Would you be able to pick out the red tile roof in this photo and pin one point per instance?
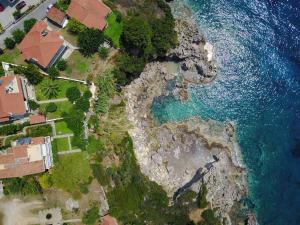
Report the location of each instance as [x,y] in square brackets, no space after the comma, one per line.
[11,97]
[39,47]
[16,162]
[108,220]
[56,15]
[36,119]
[91,13]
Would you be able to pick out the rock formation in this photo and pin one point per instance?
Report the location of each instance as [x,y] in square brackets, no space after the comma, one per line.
[180,156]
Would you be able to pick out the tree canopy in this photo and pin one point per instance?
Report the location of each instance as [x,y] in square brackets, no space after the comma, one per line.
[89,41]
[28,24]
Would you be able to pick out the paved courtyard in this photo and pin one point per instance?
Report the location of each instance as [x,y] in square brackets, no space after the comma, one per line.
[6,17]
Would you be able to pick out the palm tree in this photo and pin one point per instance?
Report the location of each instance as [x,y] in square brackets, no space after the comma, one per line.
[50,88]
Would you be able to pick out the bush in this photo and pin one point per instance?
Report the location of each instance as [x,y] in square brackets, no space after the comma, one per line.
[83,104]
[91,216]
[73,94]
[53,72]
[28,24]
[31,72]
[202,202]
[17,14]
[9,43]
[100,174]
[51,107]
[89,41]
[87,94]
[61,65]
[28,185]
[103,52]
[33,105]
[40,130]
[209,217]
[75,27]
[12,128]
[18,35]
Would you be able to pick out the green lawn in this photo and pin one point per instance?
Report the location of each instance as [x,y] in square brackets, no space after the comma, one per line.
[62,107]
[114,29]
[63,86]
[61,144]
[77,63]
[62,128]
[12,56]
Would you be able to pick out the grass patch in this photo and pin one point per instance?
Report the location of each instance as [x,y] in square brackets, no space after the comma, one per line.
[78,64]
[72,38]
[63,86]
[61,144]
[39,131]
[74,167]
[12,56]
[62,128]
[62,107]
[114,29]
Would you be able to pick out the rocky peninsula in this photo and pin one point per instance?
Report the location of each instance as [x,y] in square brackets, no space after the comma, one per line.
[184,155]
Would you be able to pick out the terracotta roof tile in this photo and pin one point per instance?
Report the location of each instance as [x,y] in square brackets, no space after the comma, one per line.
[108,220]
[36,119]
[91,13]
[41,47]
[56,15]
[11,97]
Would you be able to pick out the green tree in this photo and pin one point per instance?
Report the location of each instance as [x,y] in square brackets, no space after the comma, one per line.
[17,14]
[62,65]
[87,94]
[83,104]
[91,216]
[33,105]
[136,36]
[28,24]
[18,35]
[9,43]
[73,93]
[51,107]
[31,72]
[50,89]
[53,72]
[89,41]
[103,52]
[75,27]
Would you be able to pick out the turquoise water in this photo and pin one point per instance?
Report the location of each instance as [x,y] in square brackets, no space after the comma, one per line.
[257,49]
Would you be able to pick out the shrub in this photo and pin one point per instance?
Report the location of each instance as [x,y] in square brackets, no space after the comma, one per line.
[100,174]
[91,216]
[18,35]
[89,41]
[73,94]
[12,128]
[40,130]
[103,52]
[51,107]
[87,94]
[83,104]
[31,72]
[61,65]
[53,72]
[28,185]
[17,14]
[28,24]
[202,202]
[33,105]
[76,27]
[209,217]
[9,43]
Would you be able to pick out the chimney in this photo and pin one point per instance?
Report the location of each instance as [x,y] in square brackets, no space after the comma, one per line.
[44,33]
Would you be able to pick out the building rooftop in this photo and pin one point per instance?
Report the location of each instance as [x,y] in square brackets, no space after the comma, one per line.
[27,156]
[56,15]
[91,13]
[36,119]
[41,44]
[11,97]
[108,220]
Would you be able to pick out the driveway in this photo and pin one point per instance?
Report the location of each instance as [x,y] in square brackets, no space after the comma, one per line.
[38,13]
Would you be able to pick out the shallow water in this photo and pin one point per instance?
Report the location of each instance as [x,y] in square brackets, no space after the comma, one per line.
[257,48]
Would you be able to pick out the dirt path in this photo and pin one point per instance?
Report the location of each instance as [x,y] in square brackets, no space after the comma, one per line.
[17,212]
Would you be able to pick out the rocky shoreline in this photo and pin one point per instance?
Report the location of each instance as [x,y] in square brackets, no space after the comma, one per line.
[181,156]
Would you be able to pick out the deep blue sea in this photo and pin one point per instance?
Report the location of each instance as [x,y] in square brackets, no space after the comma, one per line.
[257,49]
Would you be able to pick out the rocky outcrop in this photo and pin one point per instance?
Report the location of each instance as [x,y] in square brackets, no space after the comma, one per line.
[186,154]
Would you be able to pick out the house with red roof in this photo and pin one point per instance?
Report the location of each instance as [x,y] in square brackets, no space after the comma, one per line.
[42,46]
[57,17]
[91,13]
[13,98]
[27,156]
